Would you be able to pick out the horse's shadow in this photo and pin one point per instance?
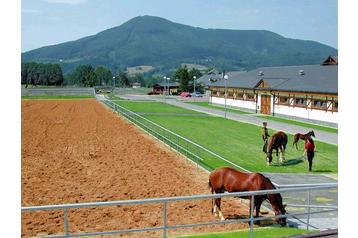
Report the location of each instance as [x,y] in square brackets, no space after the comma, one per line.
[290,162]
[259,223]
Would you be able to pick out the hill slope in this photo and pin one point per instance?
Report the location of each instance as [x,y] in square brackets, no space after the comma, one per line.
[161,43]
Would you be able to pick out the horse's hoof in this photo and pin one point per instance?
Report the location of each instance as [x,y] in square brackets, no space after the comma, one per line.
[268,164]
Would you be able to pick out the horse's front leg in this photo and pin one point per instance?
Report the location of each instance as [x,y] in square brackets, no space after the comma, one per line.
[282,154]
[218,207]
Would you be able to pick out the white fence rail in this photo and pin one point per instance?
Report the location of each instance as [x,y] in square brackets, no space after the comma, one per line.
[164,201]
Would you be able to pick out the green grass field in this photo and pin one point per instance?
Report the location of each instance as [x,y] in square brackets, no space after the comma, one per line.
[206,104]
[299,123]
[57,97]
[239,142]
[266,232]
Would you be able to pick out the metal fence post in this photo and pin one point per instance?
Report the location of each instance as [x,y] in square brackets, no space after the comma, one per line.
[65,222]
[252,217]
[165,219]
[308,207]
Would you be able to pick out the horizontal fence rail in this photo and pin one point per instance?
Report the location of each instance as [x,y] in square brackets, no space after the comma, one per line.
[164,201]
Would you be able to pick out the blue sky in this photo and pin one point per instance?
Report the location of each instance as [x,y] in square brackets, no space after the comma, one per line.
[47,22]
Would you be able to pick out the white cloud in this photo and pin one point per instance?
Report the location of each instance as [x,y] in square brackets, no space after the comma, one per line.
[71,2]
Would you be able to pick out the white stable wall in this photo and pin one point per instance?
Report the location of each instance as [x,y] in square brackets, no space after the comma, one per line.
[319,115]
[235,103]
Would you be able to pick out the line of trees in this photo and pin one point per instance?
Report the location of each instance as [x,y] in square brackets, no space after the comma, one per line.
[86,75]
[41,74]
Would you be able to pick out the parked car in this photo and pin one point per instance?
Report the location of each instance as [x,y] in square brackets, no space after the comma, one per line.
[185,94]
[197,94]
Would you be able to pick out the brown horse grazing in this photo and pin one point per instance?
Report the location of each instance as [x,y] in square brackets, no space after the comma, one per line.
[277,141]
[230,180]
[300,136]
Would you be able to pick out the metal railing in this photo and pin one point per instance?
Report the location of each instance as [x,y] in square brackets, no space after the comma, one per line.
[164,201]
[192,150]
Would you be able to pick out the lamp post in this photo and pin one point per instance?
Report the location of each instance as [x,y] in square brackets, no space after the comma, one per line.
[114,77]
[211,80]
[194,77]
[165,78]
[225,78]
[168,85]
[194,94]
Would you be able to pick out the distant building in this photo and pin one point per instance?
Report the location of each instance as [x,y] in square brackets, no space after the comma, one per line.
[159,88]
[136,85]
[307,91]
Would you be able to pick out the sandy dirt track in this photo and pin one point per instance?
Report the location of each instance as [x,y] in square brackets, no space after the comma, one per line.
[77,151]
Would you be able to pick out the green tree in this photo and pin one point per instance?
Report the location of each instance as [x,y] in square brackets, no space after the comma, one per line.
[123,78]
[84,75]
[41,74]
[104,75]
[138,78]
[182,74]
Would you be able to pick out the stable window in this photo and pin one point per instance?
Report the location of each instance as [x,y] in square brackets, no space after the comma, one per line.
[335,106]
[284,100]
[250,97]
[240,95]
[319,104]
[300,102]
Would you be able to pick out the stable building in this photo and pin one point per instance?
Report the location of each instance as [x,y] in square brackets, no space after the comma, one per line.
[172,88]
[305,91]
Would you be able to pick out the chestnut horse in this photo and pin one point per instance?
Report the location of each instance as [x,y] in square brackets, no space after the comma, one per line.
[230,180]
[277,142]
[300,136]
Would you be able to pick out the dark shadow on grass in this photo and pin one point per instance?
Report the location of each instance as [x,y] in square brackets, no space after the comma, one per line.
[290,162]
[268,222]
[322,170]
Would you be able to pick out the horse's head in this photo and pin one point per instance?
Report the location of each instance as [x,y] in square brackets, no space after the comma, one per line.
[269,151]
[269,157]
[276,203]
[280,210]
[312,133]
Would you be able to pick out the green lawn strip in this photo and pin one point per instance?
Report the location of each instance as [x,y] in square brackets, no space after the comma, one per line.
[267,232]
[114,97]
[57,97]
[155,107]
[206,104]
[238,142]
[299,123]
[38,86]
